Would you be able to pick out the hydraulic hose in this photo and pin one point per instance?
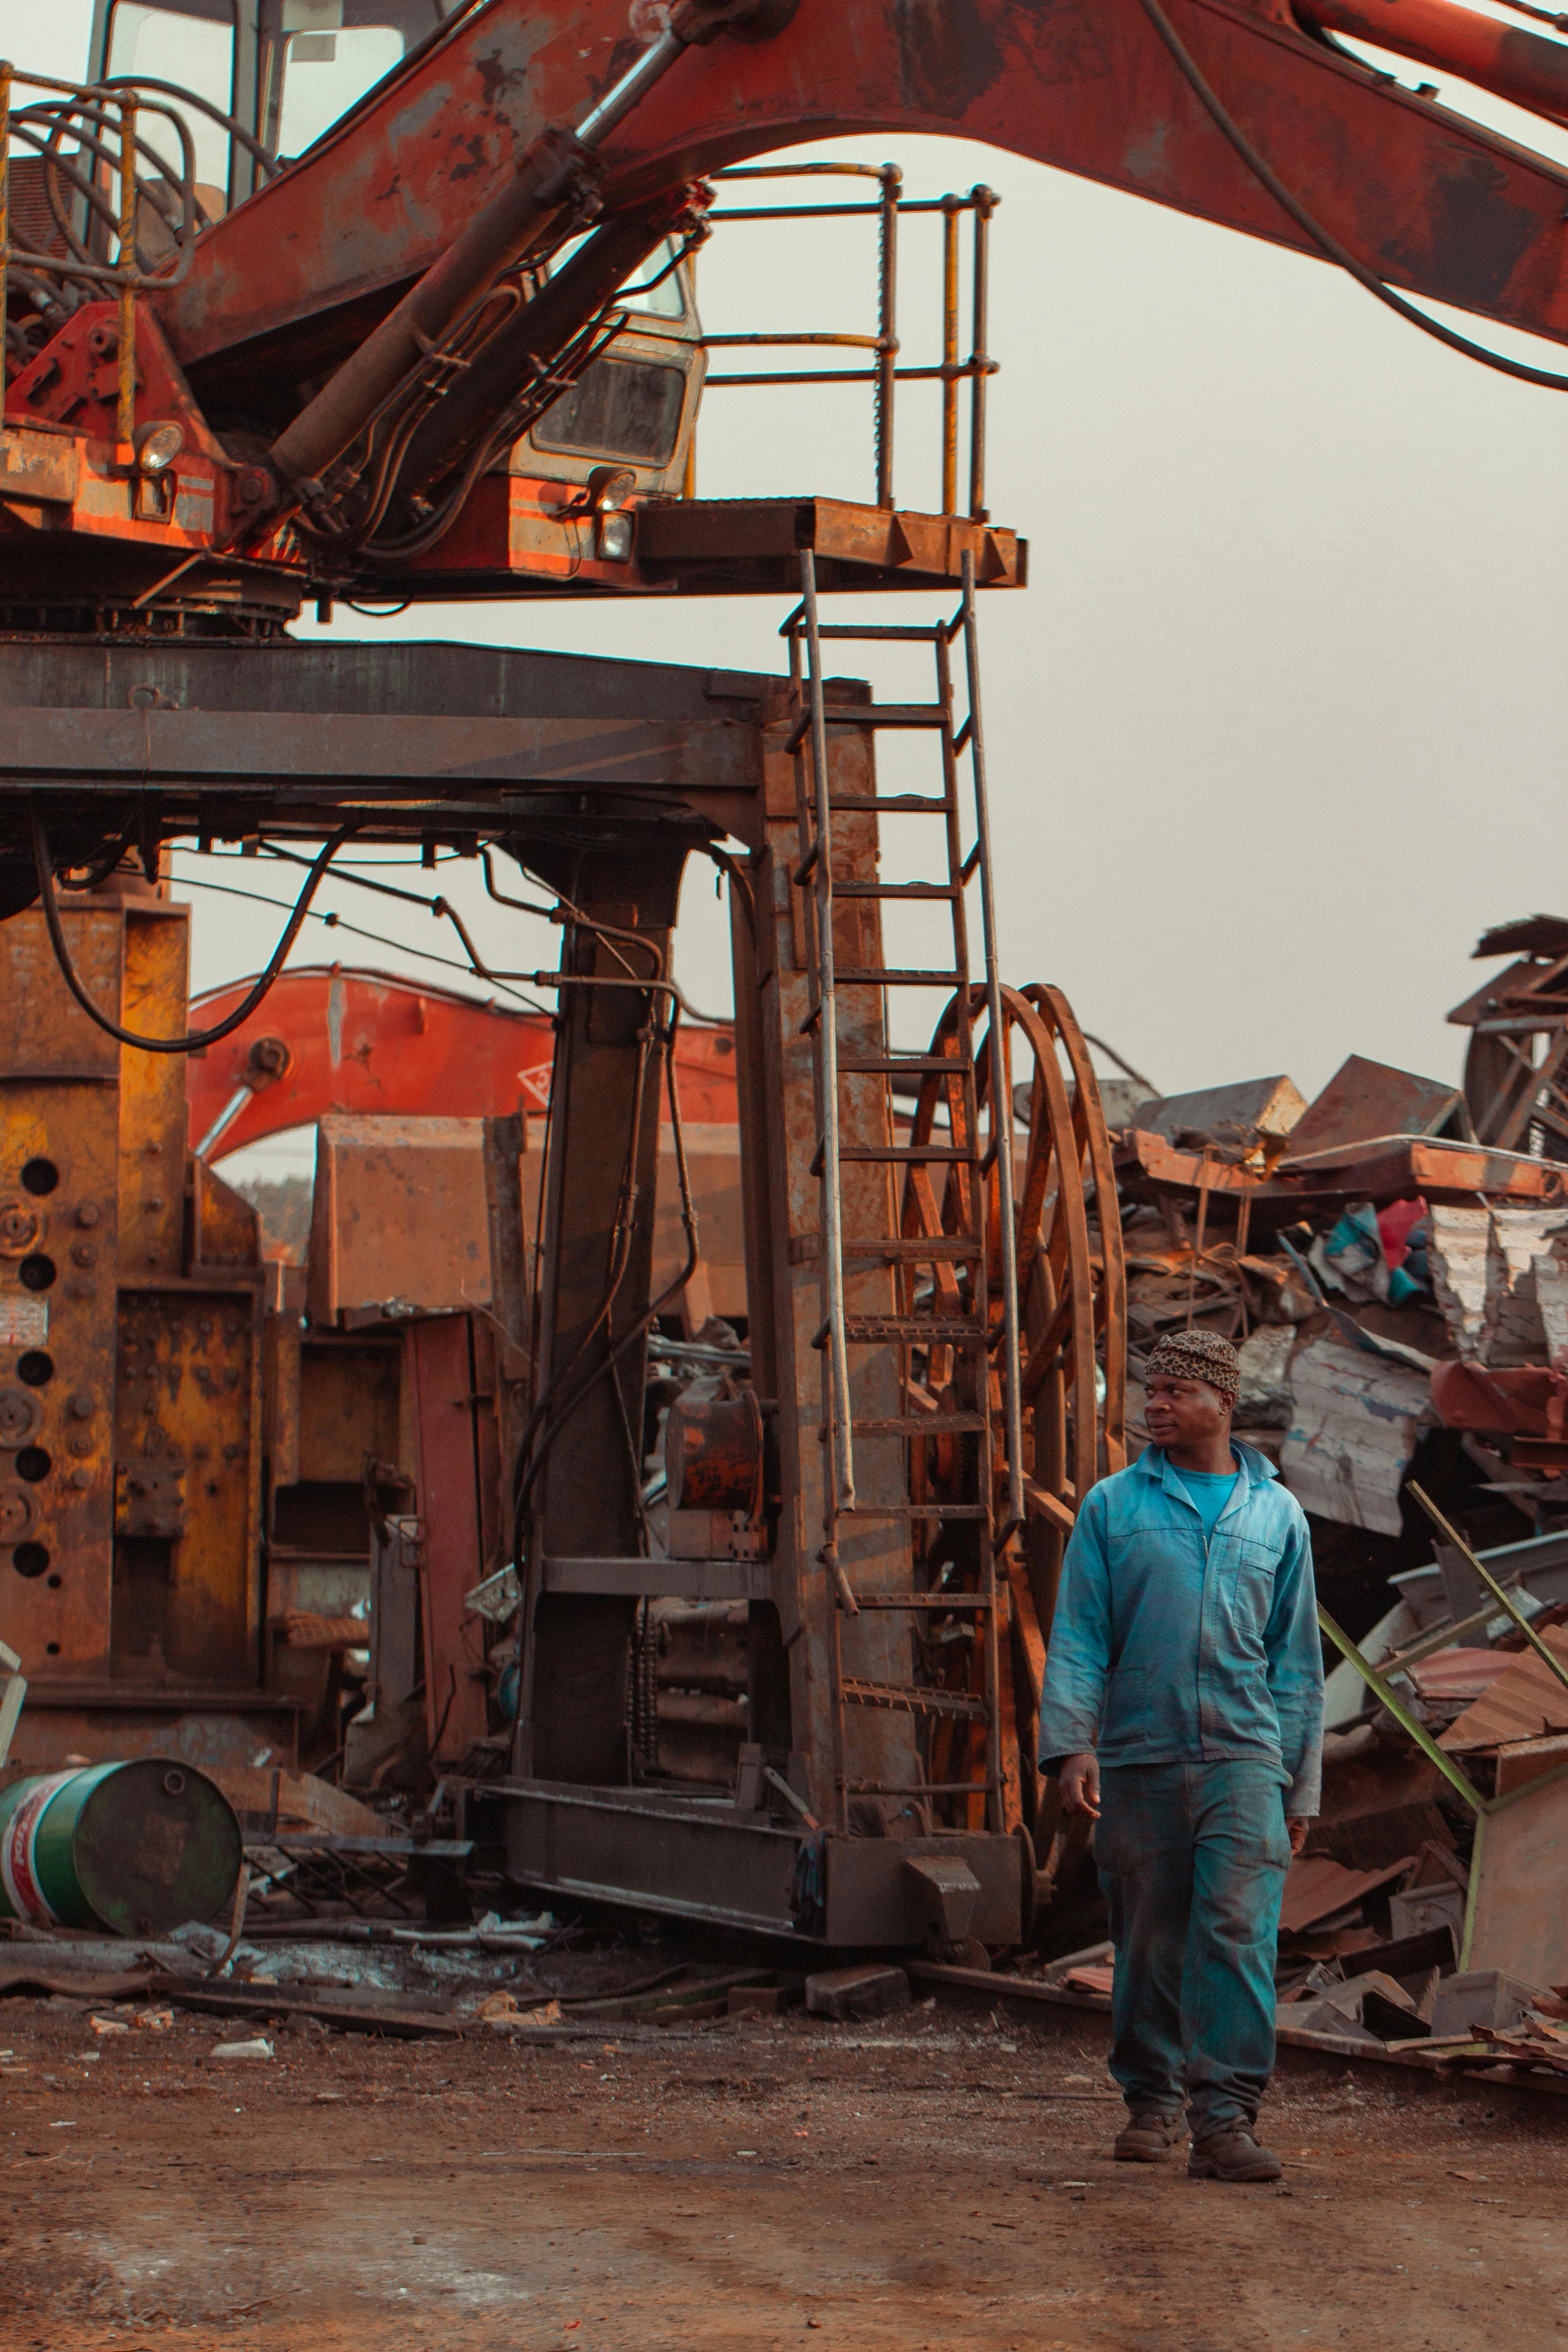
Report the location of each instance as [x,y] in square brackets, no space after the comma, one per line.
[196,1040]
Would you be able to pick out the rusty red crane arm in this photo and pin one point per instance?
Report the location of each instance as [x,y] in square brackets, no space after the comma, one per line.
[338,1039]
[291,281]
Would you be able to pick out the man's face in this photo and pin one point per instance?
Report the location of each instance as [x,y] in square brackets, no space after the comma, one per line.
[1179,1412]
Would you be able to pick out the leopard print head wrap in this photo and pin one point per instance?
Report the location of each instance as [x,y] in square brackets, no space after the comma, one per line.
[1197,1356]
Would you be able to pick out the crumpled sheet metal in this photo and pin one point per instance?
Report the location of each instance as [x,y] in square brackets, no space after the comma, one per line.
[1526,1701]
[1357,1422]
[1500,1275]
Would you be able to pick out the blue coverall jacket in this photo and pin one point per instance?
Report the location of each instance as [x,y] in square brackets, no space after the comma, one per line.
[1166,1651]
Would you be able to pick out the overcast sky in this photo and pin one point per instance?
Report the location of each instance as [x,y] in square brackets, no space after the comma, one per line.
[1279,726]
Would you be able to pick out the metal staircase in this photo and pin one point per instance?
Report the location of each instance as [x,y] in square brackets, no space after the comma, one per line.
[960,1318]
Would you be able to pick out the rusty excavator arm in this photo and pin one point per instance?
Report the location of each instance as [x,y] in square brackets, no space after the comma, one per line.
[346,354]
[1426,199]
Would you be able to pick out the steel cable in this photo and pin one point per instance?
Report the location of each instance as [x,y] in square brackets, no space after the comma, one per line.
[1225,123]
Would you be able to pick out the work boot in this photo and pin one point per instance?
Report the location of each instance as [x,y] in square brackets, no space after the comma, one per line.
[1232,2154]
[1150,2136]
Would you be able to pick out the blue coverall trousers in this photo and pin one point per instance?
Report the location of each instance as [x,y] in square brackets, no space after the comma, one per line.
[1193,1859]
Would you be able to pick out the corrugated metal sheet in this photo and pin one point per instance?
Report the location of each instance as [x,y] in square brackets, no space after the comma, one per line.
[1357,1420]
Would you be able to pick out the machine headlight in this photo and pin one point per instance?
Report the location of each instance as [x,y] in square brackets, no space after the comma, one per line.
[158,446]
[616,531]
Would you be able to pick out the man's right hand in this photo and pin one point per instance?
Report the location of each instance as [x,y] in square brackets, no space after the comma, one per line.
[1079,1781]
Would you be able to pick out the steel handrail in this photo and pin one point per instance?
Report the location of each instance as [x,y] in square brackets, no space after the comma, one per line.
[885,374]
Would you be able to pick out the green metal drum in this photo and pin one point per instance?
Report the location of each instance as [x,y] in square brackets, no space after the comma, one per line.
[137,1848]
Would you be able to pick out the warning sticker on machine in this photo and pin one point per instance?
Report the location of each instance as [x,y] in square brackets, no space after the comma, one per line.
[24,1322]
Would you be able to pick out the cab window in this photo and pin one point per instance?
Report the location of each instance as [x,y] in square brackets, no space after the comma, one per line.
[654,287]
[618,408]
[195,48]
[324,72]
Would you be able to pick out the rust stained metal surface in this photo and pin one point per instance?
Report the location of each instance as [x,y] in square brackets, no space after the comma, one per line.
[1364,1101]
[752,545]
[400,740]
[585,1475]
[371,1041]
[186,1558]
[373,751]
[1519,1918]
[1388,1168]
[714,1454]
[399,1221]
[140,1566]
[60,1102]
[521,537]
[1427,201]
[448,1413]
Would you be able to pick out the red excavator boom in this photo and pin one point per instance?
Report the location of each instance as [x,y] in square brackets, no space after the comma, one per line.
[345,383]
[331,1039]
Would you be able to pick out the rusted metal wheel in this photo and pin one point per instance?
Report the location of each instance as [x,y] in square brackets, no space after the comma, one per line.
[1074,1302]
[1073,1322]
[1072,1317]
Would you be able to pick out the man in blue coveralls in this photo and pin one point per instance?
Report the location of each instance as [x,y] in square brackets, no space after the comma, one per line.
[1183,1711]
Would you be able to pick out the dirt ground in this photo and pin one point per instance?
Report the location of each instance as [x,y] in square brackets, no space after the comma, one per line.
[926,2182]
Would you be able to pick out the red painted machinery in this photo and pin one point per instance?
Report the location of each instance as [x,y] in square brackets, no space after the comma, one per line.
[335,1039]
[397,304]
[392,300]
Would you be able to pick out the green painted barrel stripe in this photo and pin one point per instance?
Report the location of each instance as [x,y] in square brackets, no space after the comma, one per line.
[54,1847]
[51,1840]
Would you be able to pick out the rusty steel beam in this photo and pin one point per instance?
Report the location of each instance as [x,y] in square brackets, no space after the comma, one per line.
[1431,201]
[412,742]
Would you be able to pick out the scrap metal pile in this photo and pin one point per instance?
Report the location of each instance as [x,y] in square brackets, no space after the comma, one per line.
[1392,1260]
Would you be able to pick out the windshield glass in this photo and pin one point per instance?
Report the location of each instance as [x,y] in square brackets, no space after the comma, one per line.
[324,72]
[663,300]
[194,49]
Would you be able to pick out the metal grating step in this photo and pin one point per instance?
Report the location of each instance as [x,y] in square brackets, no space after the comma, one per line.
[919,1424]
[917,1511]
[935,634]
[898,1066]
[881,976]
[898,803]
[869,1330]
[949,1604]
[911,1698]
[877,975]
[948,1249]
[945,1249]
[871,714]
[940,1153]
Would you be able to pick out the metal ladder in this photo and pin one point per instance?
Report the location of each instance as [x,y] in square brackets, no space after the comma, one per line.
[839,1332]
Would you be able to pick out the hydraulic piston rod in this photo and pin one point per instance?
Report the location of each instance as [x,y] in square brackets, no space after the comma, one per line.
[1504,58]
[556,179]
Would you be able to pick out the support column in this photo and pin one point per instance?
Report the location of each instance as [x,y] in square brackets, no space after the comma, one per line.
[597,1215]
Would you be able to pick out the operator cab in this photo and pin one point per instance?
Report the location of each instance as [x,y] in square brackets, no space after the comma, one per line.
[258,88]
[576,475]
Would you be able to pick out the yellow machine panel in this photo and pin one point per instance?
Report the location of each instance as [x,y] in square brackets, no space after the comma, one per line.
[130,1318]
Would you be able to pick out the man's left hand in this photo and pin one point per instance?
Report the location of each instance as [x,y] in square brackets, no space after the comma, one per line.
[1297,1827]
